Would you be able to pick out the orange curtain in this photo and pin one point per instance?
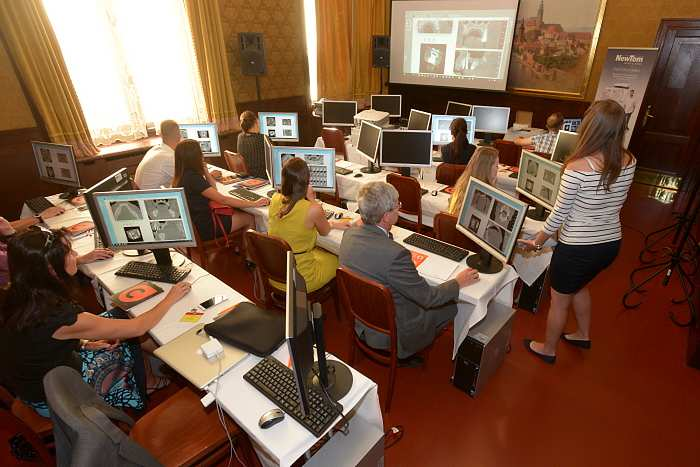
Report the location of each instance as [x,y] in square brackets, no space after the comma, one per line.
[334,31]
[30,41]
[371,19]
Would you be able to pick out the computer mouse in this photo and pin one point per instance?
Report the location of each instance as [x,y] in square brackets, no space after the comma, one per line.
[338,215]
[433,193]
[270,418]
[358,175]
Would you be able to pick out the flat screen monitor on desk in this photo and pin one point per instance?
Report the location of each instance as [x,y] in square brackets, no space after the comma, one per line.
[564,145]
[280,126]
[368,145]
[390,103]
[406,149]
[268,157]
[491,120]
[492,219]
[418,120]
[205,134]
[145,219]
[457,108]
[56,164]
[440,128]
[571,124]
[538,180]
[118,181]
[321,162]
[339,113]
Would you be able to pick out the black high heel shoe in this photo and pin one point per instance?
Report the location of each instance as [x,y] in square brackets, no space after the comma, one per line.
[549,359]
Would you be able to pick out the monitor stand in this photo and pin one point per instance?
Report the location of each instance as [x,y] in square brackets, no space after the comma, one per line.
[488,139]
[538,214]
[371,169]
[162,256]
[484,262]
[333,375]
[405,171]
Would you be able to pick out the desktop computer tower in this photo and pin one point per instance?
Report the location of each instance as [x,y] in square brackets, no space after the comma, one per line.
[484,349]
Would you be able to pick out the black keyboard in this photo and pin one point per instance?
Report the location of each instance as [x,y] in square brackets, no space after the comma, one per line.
[152,272]
[328,213]
[342,171]
[38,204]
[443,249]
[276,382]
[245,194]
[423,191]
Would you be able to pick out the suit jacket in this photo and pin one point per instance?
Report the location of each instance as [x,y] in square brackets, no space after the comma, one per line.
[421,309]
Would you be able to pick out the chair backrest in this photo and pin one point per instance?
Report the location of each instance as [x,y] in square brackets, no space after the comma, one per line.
[409,192]
[444,226]
[508,152]
[269,253]
[334,138]
[82,426]
[447,174]
[235,162]
[368,302]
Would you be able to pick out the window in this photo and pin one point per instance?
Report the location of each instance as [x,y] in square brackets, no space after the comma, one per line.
[311,46]
[131,62]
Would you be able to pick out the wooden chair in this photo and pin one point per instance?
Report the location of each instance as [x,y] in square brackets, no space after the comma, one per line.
[334,138]
[235,162]
[32,420]
[371,304]
[447,174]
[204,247]
[444,226]
[410,198]
[269,253]
[508,152]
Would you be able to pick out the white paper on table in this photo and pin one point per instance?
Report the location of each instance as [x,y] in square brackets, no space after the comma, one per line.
[438,267]
[344,164]
[531,267]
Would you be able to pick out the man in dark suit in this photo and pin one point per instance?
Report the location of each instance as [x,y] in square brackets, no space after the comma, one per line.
[368,249]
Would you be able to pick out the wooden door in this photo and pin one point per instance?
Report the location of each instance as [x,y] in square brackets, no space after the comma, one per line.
[664,139]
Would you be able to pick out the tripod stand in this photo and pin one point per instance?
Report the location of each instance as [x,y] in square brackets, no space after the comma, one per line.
[682,252]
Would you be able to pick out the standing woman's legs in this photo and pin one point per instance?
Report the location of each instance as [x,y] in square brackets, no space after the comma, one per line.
[556,320]
[582,309]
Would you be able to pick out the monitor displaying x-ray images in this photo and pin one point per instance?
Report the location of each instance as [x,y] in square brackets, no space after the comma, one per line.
[205,134]
[56,163]
[144,219]
[491,218]
[440,128]
[280,126]
[538,179]
[321,162]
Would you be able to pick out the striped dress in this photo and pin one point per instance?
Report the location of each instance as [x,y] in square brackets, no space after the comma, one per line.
[585,213]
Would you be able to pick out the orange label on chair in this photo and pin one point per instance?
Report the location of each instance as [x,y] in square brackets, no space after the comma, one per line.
[418,258]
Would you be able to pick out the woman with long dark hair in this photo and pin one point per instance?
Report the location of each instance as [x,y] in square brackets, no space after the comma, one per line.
[298,218]
[460,150]
[200,188]
[594,185]
[42,327]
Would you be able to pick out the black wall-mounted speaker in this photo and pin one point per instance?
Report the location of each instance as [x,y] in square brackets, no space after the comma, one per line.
[252,53]
[380,51]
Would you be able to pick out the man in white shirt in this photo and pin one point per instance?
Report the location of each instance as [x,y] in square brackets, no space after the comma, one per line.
[157,167]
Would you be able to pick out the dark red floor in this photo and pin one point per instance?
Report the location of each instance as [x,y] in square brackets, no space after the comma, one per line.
[630,401]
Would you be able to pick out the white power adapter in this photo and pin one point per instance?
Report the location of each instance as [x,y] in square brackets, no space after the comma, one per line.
[212,349]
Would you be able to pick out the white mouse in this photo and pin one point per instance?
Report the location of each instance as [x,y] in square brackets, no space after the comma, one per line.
[270,418]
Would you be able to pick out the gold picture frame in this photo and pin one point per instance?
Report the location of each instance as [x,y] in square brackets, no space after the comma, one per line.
[536,42]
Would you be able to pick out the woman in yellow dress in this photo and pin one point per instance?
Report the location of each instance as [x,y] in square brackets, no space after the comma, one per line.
[298,218]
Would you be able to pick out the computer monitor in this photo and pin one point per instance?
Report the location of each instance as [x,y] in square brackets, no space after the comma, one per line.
[321,162]
[538,180]
[280,126]
[440,128]
[564,145]
[56,164]
[406,149]
[339,113]
[368,145]
[457,108]
[304,328]
[571,124]
[491,120]
[492,219]
[390,103]
[268,157]
[118,181]
[145,219]
[205,134]
[418,120]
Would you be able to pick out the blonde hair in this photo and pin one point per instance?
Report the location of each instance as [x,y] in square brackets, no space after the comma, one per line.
[480,167]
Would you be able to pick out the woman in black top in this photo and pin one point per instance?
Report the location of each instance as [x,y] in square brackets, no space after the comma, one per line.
[42,327]
[251,145]
[200,189]
[459,151]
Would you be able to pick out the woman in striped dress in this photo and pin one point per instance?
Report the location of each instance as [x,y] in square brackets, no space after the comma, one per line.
[594,186]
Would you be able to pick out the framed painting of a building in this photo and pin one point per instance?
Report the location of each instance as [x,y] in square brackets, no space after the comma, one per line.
[554,45]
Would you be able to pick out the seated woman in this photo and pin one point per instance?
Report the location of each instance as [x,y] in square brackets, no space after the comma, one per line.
[459,151]
[42,327]
[200,188]
[251,145]
[484,166]
[298,218]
